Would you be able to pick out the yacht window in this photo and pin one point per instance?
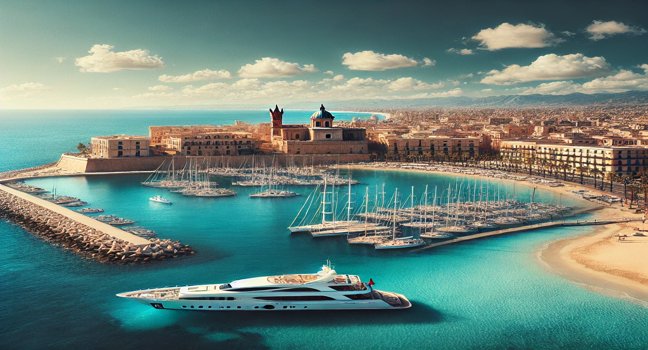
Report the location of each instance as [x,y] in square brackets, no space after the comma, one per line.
[303,289]
[251,289]
[359,296]
[209,298]
[297,298]
[225,286]
[349,287]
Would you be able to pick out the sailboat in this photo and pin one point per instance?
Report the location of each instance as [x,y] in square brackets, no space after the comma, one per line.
[326,209]
[398,242]
[272,191]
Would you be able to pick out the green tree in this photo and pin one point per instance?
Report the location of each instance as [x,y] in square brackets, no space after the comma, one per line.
[83,148]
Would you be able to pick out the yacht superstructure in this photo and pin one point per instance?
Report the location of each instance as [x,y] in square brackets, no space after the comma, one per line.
[324,290]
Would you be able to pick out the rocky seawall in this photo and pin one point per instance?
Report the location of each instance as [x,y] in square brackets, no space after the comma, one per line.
[83,239]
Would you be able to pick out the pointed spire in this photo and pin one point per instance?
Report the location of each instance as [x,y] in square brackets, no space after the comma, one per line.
[322,107]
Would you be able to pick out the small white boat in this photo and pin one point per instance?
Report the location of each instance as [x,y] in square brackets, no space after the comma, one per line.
[160,199]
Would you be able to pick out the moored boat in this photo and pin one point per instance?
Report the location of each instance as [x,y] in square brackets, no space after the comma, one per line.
[160,199]
[324,290]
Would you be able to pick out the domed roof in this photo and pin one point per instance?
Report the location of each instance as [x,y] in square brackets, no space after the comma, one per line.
[322,114]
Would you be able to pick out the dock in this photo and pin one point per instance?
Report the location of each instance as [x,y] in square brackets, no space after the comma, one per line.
[104,228]
[543,225]
[82,234]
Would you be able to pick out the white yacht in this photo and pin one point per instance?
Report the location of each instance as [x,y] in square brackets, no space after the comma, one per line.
[324,290]
[160,199]
[400,243]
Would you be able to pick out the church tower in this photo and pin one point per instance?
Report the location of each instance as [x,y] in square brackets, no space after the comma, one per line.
[276,117]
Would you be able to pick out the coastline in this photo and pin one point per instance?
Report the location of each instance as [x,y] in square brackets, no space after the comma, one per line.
[596,259]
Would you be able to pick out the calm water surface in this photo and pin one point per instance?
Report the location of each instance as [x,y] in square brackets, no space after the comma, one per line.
[489,294]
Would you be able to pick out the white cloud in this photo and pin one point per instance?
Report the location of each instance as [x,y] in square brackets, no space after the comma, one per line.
[200,75]
[159,88]
[59,59]
[336,88]
[409,84]
[374,61]
[24,87]
[622,81]
[450,93]
[329,72]
[18,94]
[553,88]
[521,35]
[268,67]
[102,59]
[428,62]
[549,67]
[462,52]
[600,30]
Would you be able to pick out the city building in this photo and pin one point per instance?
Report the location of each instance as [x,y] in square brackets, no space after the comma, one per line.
[119,146]
[211,144]
[402,147]
[576,159]
[321,136]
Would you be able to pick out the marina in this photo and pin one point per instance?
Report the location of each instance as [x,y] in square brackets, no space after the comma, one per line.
[469,208]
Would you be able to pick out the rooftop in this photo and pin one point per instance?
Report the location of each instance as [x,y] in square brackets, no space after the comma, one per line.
[322,113]
[122,137]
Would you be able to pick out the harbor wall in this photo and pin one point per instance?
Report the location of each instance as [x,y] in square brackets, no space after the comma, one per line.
[81,234]
[76,164]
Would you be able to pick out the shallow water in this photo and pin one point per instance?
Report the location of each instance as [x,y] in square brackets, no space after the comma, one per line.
[489,293]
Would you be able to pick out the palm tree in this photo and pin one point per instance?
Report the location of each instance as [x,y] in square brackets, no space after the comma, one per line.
[595,173]
[582,170]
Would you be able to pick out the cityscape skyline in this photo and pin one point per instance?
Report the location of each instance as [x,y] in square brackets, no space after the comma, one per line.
[119,55]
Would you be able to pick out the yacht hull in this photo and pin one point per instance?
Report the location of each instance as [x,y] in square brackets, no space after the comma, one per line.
[398,302]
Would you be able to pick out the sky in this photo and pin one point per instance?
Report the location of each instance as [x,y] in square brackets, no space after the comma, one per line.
[116,54]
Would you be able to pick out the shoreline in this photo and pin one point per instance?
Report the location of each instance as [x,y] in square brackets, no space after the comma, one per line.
[586,259]
[559,257]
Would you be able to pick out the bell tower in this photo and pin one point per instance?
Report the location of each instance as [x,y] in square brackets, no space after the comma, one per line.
[276,117]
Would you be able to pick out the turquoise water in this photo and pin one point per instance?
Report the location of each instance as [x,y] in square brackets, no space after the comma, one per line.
[486,294]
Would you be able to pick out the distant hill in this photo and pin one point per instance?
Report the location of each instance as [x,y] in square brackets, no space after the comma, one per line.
[577,99]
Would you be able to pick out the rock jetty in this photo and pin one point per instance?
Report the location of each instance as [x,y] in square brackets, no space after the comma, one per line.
[83,239]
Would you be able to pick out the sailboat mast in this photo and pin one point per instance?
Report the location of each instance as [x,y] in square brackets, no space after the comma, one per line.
[366,208]
[349,201]
[324,202]
[434,206]
[425,200]
[395,207]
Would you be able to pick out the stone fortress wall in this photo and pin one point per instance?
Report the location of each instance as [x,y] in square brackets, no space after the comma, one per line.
[75,164]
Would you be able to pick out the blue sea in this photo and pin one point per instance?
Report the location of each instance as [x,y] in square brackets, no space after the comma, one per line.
[486,294]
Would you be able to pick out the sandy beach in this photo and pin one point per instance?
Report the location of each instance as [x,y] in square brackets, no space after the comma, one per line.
[597,259]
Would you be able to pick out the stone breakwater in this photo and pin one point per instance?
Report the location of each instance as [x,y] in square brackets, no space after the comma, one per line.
[83,239]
